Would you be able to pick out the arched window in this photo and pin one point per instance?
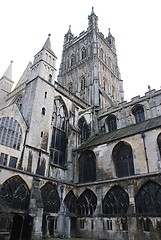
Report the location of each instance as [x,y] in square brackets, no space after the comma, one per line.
[83,83]
[111,122]
[138,112]
[15,193]
[148,199]
[84,129]
[116,201]
[43,111]
[10,133]
[72,60]
[50,78]
[87,203]
[87,166]
[123,159]
[50,198]
[59,133]
[71,202]
[159,143]
[83,53]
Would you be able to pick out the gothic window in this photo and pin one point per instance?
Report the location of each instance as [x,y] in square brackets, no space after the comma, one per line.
[84,129]
[83,53]
[87,203]
[50,198]
[148,199]
[87,166]
[123,159]
[59,133]
[159,143]
[115,202]
[72,60]
[10,133]
[12,162]
[138,112]
[83,83]
[50,78]
[111,122]
[15,193]
[71,202]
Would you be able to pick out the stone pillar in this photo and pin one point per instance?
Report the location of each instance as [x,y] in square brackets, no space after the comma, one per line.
[132,223]
[36,210]
[63,223]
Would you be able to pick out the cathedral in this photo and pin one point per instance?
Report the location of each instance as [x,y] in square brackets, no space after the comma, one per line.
[76,159]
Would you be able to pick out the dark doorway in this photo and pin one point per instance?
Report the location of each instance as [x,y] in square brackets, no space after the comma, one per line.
[21,228]
[73,226]
[27,228]
[17,225]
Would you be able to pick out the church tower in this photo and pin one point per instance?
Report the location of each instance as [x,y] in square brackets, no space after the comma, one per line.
[89,67]
[37,105]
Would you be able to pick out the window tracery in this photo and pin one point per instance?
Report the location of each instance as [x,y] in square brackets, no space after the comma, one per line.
[138,112]
[87,203]
[59,133]
[50,198]
[87,166]
[148,199]
[111,122]
[84,129]
[123,159]
[10,133]
[116,201]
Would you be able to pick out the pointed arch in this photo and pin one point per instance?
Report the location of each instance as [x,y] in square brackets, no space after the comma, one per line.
[87,203]
[123,159]
[111,123]
[116,201]
[59,132]
[83,53]
[71,202]
[50,198]
[148,198]
[84,129]
[87,166]
[15,193]
[138,112]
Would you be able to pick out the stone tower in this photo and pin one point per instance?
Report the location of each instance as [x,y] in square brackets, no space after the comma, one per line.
[89,66]
[38,104]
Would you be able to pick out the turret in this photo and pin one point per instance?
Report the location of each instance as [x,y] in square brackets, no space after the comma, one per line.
[92,21]
[6,82]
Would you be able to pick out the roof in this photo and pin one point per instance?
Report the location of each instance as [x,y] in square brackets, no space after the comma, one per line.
[122,133]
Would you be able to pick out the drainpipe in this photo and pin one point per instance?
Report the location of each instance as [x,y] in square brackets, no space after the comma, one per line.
[146,157]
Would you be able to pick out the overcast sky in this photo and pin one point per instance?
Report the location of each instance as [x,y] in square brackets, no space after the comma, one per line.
[135,24]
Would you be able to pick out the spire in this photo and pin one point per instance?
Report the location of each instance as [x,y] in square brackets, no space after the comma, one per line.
[47,44]
[93,20]
[8,72]
[68,36]
[69,30]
